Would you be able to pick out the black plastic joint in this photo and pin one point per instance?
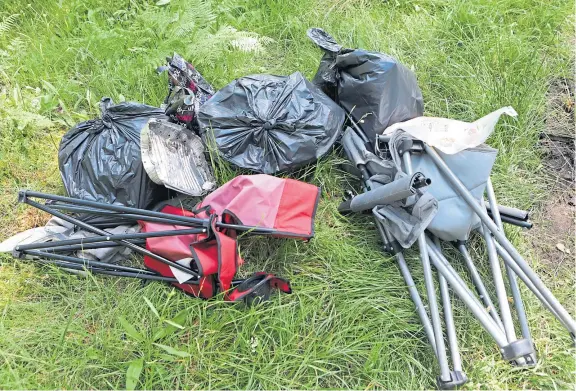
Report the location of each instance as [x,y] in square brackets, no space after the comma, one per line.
[520,348]
[395,247]
[22,196]
[405,146]
[16,253]
[459,242]
[457,379]
[529,361]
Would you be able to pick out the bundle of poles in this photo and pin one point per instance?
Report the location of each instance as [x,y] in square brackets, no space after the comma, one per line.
[56,252]
[497,320]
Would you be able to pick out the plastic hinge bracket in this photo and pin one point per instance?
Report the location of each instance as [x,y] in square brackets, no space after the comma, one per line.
[519,348]
[457,378]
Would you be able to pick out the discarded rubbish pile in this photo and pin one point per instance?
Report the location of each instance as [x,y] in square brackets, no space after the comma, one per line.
[117,168]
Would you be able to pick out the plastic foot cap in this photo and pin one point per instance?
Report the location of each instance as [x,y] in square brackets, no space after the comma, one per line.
[517,349]
[457,379]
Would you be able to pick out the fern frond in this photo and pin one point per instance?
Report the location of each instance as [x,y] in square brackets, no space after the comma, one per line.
[246,41]
[7,24]
[16,45]
[198,16]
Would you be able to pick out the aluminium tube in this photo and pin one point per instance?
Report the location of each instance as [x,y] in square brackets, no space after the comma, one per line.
[431,292]
[510,262]
[404,270]
[449,318]
[89,246]
[414,295]
[473,305]
[498,279]
[457,278]
[560,311]
[507,211]
[98,231]
[514,289]
[94,270]
[107,238]
[129,216]
[87,262]
[24,194]
[513,221]
[479,285]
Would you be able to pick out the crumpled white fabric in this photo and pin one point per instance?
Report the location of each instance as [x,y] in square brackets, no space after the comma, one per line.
[451,136]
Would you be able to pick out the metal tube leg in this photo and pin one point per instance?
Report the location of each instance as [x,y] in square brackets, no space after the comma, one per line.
[510,262]
[511,351]
[449,318]
[431,293]
[454,273]
[479,285]
[405,271]
[499,286]
[560,311]
[97,231]
[514,289]
[485,320]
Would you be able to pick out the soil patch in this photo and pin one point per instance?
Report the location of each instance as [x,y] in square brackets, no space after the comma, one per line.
[553,235]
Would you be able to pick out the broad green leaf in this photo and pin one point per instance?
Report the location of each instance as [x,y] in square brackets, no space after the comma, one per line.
[133,373]
[130,330]
[173,351]
[151,307]
[178,326]
[173,325]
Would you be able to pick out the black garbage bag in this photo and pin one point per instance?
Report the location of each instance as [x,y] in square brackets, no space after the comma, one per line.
[374,88]
[100,159]
[271,124]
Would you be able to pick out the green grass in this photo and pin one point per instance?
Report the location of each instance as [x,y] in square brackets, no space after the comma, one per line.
[350,322]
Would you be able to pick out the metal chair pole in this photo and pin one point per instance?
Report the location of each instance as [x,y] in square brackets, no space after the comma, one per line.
[449,318]
[479,284]
[431,293]
[405,271]
[560,311]
[514,289]
[499,286]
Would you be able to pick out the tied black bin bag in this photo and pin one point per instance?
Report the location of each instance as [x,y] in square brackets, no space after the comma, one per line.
[271,124]
[100,159]
[374,88]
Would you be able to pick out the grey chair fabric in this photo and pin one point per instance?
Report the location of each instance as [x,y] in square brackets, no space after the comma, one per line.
[404,220]
[455,220]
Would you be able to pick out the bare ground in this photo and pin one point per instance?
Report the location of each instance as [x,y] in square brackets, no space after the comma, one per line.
[553,235]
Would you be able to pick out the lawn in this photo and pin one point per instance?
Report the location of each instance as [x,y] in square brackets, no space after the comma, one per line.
[350,322]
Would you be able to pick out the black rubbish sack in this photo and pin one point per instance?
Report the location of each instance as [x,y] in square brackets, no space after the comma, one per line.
[100,159]
[271,124]
[374,88]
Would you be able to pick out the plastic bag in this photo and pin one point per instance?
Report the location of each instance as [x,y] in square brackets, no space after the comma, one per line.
[188,90]
[173,156]
[449,135]
[374,88]
[100,159]
[270,124]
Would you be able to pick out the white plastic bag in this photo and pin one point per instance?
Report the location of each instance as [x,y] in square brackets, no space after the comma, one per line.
[449,135]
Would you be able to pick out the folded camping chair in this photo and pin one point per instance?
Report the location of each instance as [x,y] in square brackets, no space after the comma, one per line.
[457,183]
[194,250]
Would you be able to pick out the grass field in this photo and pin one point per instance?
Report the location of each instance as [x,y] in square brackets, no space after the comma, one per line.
[350,322]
